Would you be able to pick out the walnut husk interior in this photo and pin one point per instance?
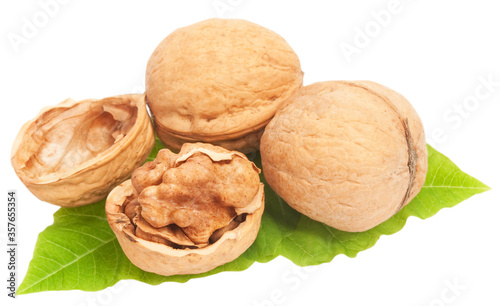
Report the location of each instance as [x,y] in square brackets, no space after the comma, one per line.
[75,152]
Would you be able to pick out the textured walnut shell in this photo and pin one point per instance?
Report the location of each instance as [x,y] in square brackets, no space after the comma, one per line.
[348,154]
[158,256]
[75,152]
[219,81]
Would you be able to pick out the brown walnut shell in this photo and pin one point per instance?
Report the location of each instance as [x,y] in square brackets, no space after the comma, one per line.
[348,154]
[188,213]
[219,81]
[74,153]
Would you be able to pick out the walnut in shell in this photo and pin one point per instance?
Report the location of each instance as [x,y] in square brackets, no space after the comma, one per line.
[348,154]
[188,213]
[219,81]
[75,152]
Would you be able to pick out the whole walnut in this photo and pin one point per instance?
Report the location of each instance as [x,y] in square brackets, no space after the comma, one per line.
[190,212]
[348,154]
[219,81]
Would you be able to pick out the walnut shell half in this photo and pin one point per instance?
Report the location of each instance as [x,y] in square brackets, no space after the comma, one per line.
[188,213]
[75,152]
[348,154]
[219,81]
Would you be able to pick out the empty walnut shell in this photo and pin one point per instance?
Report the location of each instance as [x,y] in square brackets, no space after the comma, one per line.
[348,154]
[75,152]
[188,213]
[219,81]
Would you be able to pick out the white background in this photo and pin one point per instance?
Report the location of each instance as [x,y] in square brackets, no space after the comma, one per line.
[433,52]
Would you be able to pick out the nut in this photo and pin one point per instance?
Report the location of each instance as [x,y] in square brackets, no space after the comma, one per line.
[188,213]
[219,81]
[75,152]
[348,154]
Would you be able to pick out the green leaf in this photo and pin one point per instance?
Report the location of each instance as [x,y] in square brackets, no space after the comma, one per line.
[79,251]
